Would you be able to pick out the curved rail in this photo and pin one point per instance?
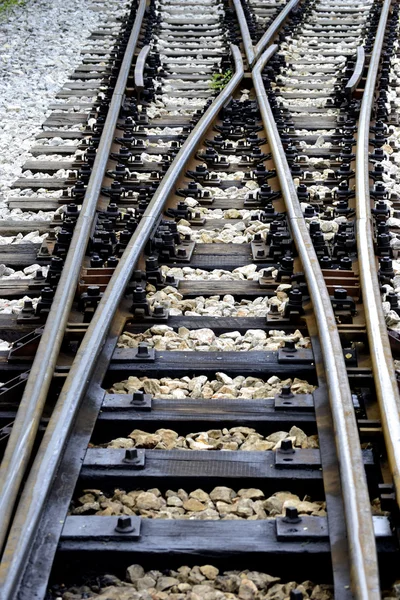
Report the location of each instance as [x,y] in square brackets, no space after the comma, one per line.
[253,52]
[274,28]
[59,427]
[139,68]
[26,424]
[361,538]
[244,30]
[379,345]
[358,71]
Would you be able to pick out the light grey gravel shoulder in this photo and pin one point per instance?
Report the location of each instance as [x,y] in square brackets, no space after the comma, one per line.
[40,45]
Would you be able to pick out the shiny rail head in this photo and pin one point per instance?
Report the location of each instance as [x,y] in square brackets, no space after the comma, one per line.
[364,568]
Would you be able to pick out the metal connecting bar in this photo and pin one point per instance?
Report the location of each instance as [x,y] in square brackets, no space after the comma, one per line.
[379,345]
[359,524]
[60,425]
[358,71]
[139,68]
[26,424]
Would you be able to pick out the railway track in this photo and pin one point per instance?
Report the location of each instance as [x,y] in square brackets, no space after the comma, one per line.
[200,380]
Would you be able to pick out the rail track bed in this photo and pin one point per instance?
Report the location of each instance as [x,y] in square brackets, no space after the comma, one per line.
[199,312]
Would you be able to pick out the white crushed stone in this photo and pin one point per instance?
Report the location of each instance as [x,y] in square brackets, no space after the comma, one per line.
[27,273]
[215,306]
[235,438]
[14,307]
[41,43]
[4,346]
[240,274]
[33,237]
[163,337]
[238,233]
[223,386]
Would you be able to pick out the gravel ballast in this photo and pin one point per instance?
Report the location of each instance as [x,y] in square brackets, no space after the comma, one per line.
[163,337]
[41,44]
[222,503]
[235,438]
[223,386]
[187,583]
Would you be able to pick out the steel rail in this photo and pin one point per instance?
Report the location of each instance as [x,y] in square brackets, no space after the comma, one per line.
[61,422]
[23,435]
[359,525]
[358,71]
[253,52]
[274,28]
[139,68]
[379,344]
[244,30]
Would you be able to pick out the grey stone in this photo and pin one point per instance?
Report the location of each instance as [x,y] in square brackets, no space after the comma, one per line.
[134,572]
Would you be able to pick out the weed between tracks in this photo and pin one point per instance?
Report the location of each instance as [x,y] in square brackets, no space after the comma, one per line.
[7,4]
[220,80]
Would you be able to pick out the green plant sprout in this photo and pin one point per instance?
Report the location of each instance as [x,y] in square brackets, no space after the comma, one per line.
[220,80]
